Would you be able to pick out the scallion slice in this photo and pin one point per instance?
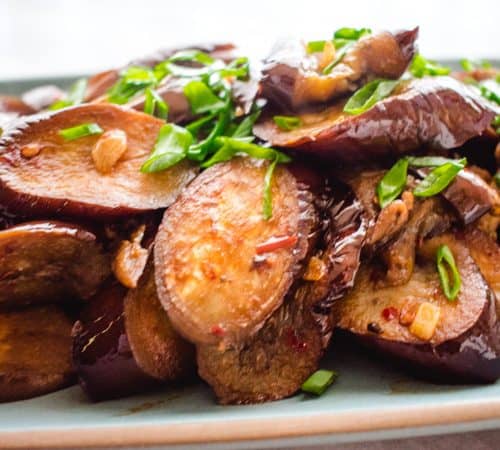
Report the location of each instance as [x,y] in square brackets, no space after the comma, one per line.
[421,67]
[201,98]
[79,131]
[392,184]
[439,178]
[319,381]
[155,105]
[445,263]
[365,97]
[287,123]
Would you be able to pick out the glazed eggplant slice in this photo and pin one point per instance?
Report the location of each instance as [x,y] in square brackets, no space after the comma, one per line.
[157,348]
[292,78]
[14,105]
[49,262]
[43,173]
[275,362]
[449,341]
[214,242]
[439,112]
[35,352]
[102,356]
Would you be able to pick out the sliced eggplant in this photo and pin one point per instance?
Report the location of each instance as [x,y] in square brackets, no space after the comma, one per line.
[102,356]
[157,348]
[41,172]
[461,345]
[35,352]
[275,362]
[214,242]
[49,262]
[293,79]
[42,97]
[438,112]
[10,104]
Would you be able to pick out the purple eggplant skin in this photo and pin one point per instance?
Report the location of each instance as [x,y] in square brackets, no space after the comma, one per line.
[437,113]
[102,355]
[292,79]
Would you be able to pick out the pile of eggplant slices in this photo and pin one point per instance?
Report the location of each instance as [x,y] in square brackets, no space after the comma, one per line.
[194,212]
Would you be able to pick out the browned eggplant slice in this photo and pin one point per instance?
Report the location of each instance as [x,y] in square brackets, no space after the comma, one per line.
[438,112]
[214,242]
[59,176]
[462,345]
[11,104]
[275,362]
[102,355]
[35,352]
[49,262]
[292,78]
[157,348]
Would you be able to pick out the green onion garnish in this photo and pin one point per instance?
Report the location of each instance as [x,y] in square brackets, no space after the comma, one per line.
[421,67]
[245,127]
[365,97]
[133,80]
[79,131]
[497,178]
[287,123]
[315,46]
[267,201]
[201,98]
[319,381]
[75,96]
[170,148]
[439,178]
[155,105]
[392,184]
[428,161]
[351,33]
[445,263]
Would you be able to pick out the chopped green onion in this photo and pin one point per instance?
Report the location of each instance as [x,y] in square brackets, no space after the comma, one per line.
[239,68]
[155,105]
[439,178]
[467,65]
[75,96]
[352,34]
[338,57]
[201,98]
[421,67]
[497,178]
[365,97]
[133,80]
[170,148]
[315,46]
[267,201]
[392,184]
[428,161]
[246,125]
[489,93]
[444,257]
[287,123]
[79,131]
[192,55]
[319,381]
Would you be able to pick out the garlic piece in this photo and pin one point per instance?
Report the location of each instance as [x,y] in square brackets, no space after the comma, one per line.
[108,150]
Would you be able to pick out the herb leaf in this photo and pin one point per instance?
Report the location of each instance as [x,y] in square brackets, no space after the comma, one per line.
[267,200]
[439,178]
[319,381]
[201,98]
[421,67]
[170,148]
[445,263]
[79,131]
[287,123]
[392,184]
[365,97]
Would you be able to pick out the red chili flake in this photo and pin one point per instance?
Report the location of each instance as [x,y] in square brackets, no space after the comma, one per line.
[390,313]
[294,341]
[275,243]
[217,330]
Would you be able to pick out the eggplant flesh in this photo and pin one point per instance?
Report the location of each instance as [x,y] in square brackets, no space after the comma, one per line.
[35,352]
[47,262]
[465,345]
[292,79]
[275,362]
[60,176]
[214,242]
[437,113]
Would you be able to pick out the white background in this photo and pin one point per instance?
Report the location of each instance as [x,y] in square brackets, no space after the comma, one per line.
[65,37]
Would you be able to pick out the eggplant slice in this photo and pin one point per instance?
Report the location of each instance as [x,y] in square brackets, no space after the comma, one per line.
[214,243]
[275,362]
[46,262]
[59,177]
[35,352]
[438,112]
[465,344]
[157,348]
[102,356]
[293,79]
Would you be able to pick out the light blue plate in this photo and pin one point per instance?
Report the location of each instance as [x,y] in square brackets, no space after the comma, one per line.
[369,401]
